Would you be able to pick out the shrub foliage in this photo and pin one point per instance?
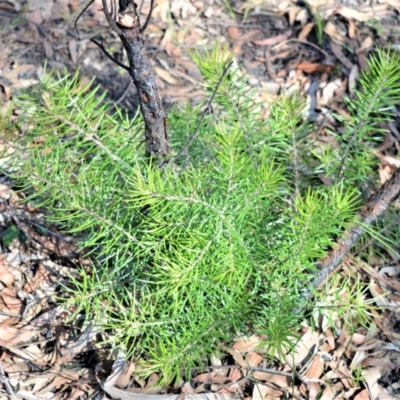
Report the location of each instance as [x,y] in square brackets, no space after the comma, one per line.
[221,241]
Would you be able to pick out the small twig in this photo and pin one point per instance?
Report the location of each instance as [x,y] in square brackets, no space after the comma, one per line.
[110,19]
[375,206]
[80,15]
[203,115]
[267,370]
[124,94]
[148,16]
[304,42]
[102,48]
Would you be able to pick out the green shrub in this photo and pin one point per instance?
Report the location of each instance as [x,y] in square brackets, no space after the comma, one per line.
[221,241]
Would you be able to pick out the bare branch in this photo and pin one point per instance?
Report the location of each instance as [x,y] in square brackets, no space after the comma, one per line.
[375,206]
[80,15]
[102,48]
[152,6]
[110,18]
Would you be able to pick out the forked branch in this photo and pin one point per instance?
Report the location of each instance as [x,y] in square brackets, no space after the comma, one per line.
[125,22]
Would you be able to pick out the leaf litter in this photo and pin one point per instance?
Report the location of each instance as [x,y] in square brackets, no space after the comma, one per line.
[276,42]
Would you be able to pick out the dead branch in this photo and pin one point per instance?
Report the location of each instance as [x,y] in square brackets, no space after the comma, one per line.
[125,22]
[375,206]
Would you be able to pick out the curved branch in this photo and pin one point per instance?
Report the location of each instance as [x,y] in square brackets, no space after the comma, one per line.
[80,15]
[102,48]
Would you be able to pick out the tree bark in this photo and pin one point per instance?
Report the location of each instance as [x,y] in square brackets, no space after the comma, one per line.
[126,24]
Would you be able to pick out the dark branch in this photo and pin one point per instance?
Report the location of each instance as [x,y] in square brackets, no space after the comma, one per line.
[80,15]
[102,48]
[152,6]
[375,206]
[110,19]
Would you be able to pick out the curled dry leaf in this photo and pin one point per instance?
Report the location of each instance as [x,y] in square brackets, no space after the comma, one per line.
[387,167]
[328,93]
[126,375]
[10,303]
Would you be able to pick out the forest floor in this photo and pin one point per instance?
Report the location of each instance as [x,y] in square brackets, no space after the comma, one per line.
[316,48]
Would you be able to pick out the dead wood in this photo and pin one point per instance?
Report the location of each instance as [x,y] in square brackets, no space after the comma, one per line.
[126,23]
[375,206]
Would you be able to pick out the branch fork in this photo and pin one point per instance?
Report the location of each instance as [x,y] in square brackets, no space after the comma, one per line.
[126,23]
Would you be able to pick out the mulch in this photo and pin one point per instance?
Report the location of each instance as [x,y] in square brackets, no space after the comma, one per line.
[318,49]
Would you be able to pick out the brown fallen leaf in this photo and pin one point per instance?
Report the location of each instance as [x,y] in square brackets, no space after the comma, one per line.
[351,13]
[247,345]
[205,377]
[316,368]
[259,392]
[233,32]
[366,44]
[7,333]
[302,350]
[165,75]
[9,302]
[332,31]
[312,68]
[279,380]
[234,374]
[126,375]
[274,40]
[307,28]
[253,359]
[363,395]
[371,377]
[352,29]
[6,276]
[338,52]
